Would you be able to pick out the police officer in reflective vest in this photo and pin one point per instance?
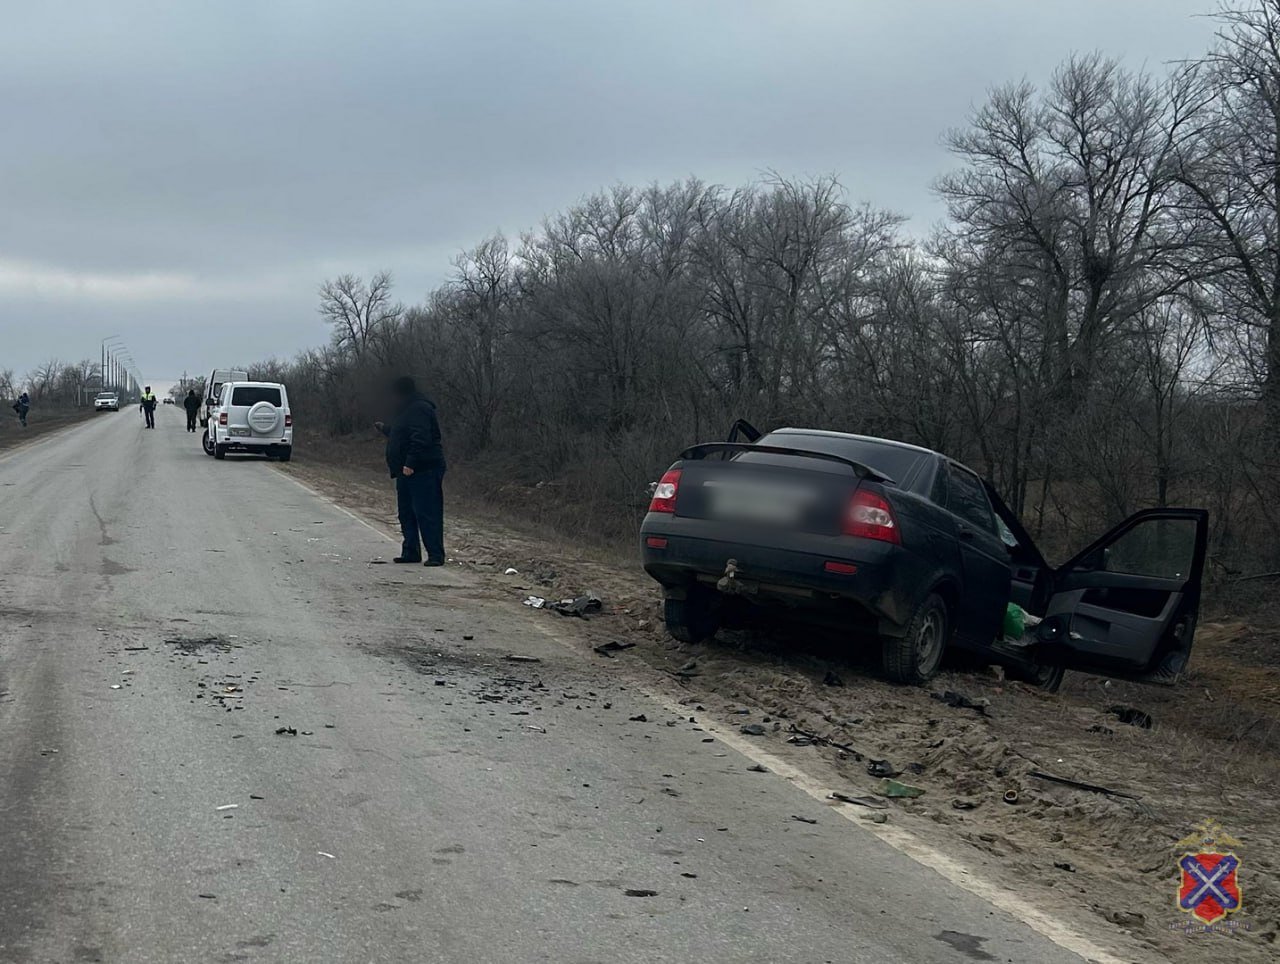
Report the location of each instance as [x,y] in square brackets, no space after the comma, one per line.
[149,406]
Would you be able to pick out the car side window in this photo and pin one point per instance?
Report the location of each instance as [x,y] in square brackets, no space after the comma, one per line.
[968,499]
[938,494]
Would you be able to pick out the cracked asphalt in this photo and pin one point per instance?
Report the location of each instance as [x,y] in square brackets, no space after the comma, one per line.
[230,731]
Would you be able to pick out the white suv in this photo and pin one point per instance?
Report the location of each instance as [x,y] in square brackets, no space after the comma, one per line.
[106,402]
[251,417]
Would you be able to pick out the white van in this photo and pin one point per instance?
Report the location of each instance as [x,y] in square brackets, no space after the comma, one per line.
[212,389]
[251,417]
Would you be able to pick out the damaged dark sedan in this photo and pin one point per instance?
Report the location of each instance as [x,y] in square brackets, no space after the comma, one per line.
[913,552]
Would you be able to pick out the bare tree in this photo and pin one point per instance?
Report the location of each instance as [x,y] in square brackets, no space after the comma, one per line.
[359,313]
[1232,175]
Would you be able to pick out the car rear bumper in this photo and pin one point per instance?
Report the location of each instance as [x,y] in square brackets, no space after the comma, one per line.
[254,443]
[790,568]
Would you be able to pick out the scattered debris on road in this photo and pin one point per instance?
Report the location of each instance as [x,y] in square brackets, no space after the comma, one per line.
[609,648]
[882,768]
[897,790]
[580,606]
[1131,717]
[1092,788]
[960,701]
[869,802]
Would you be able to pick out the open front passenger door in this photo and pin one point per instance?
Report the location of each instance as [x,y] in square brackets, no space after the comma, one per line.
[1127,605]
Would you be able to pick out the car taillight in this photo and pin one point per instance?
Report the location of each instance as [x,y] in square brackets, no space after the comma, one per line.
[871,517]
[664,493]
[288,421]
[222,418]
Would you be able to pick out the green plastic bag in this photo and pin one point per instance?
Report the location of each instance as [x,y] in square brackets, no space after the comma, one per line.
[892,788]
[1015,621]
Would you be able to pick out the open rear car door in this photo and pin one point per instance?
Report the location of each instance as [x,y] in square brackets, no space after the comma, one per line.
[1127,605]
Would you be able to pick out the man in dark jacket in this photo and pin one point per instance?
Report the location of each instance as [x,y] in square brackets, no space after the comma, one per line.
[192,404]
[415,459]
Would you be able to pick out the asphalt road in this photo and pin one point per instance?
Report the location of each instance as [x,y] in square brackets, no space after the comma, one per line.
[163,614]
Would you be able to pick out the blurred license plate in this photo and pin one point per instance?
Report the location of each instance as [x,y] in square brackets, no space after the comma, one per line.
[239,432]
[783,505]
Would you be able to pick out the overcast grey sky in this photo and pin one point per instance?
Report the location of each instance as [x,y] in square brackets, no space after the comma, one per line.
[185,174]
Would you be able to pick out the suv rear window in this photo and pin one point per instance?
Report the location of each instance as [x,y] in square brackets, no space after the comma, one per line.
[888,459]
[253,394]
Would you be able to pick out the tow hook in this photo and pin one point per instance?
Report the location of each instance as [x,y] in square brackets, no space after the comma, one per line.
[730,584]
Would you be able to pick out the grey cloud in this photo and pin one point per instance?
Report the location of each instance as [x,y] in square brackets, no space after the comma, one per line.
[175,168]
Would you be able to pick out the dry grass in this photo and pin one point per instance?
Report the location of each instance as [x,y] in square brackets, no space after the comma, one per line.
[40,421]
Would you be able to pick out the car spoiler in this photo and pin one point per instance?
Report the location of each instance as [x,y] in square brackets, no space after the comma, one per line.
[713,448]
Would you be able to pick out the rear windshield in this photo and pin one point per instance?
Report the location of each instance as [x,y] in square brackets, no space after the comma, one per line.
[888,459]
[253,394]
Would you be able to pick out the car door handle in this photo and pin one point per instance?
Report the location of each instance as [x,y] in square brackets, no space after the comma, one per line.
[964,533]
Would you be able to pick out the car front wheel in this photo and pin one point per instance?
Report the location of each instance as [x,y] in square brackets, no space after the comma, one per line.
[916,656]
[1042,677]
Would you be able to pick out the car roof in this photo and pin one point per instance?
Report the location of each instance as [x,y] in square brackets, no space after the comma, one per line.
[242,384]
[873,438]
[857,438]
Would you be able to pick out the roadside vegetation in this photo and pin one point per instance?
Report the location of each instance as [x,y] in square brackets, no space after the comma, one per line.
[1095,325]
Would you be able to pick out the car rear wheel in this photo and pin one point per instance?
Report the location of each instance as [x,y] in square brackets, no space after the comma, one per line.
[916,656]
[206,443]
[692,619]
[285,454]
[219,452]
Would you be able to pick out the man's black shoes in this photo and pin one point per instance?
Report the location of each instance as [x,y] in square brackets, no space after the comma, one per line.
[434,562]
[406,562]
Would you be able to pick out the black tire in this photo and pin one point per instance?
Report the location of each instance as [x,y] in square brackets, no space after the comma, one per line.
[219,452]
[206,444]
[1043,677]
[916,656]
[693,619]
[285,454]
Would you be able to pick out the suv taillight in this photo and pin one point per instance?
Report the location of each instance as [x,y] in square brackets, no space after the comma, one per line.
[664,493]
[871,517]
[288,421]
[222,418]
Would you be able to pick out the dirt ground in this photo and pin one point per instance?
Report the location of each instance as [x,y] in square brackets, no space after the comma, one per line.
[1107,862]
[39,422]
